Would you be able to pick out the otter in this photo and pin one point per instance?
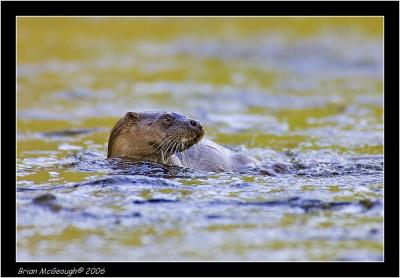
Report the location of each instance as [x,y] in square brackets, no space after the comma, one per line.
[173,139]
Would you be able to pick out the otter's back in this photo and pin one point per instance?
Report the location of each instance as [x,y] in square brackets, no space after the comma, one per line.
[209,156]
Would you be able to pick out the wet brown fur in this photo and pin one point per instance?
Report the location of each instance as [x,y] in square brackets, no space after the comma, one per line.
[147,136]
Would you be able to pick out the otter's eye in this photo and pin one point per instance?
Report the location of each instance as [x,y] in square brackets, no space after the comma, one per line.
[168,118]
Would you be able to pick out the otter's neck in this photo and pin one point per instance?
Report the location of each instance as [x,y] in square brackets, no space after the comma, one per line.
[169,160]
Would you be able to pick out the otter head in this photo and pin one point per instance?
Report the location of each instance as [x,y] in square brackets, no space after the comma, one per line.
[153,136]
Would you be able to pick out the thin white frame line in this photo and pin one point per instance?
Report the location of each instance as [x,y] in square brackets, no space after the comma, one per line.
[216,16]
[161,16]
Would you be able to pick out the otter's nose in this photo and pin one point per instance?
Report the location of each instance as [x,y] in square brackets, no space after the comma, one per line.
[194,123]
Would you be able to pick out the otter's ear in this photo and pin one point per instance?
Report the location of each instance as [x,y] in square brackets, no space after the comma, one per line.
[131,116]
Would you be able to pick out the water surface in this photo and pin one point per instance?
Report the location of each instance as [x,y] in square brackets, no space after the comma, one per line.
[303,91]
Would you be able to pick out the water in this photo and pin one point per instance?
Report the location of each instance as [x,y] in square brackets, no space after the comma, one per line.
[305,92]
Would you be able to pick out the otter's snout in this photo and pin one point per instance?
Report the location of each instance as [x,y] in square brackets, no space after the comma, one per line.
[197,130]
[195,124]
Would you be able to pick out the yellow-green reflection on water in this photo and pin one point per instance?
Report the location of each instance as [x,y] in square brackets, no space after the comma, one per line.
[275,86]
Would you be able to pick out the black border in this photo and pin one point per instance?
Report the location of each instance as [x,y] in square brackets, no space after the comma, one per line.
[191,8]
[388,9]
